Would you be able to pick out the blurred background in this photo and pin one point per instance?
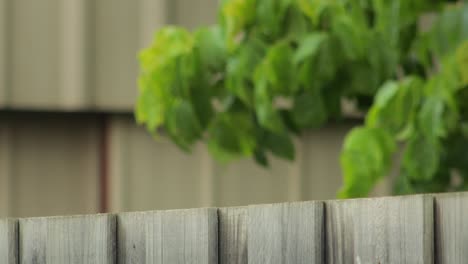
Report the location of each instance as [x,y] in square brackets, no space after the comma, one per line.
[68,140]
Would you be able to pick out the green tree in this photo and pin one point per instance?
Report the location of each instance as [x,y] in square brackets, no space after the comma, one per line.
[272,69]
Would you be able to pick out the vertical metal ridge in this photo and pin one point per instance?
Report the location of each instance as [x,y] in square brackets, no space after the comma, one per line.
[72,59]
[4,57]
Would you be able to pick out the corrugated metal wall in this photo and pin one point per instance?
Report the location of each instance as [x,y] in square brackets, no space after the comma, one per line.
[60,57]
[82,54]
[148,173]
[48,164]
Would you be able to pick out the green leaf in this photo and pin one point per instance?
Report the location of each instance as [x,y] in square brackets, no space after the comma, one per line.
[222,83]
[235,17]
[260,157]
[209,44]
[320,69]
[271,16]
[289,123]
[388,21]
[387,93]
[446,34]
[277,70]
[274,76]
[439,113]
[314,9]
[182,124]
[365,158]
[396,105]
[280,145]
[363,80]
[455,150]
[149,110]
[332,95]
[232,135]
[268,117]
[446,31]
[158,54]
[296,24]
[462,62]
[421,157]
[164,73]
[382,57]
[431,118]
[309,110]
[309,46]
[240,68]
[403,185]
[201,95]
[352,38]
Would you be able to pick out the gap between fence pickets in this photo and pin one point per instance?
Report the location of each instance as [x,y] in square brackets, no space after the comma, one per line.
[423,228]
[8,241]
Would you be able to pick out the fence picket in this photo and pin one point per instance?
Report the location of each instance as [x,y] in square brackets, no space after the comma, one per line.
[286,233]
[405,229]
[380,230]
[76,239]
[451,228]
[177,236]
[8,241]
[233,235]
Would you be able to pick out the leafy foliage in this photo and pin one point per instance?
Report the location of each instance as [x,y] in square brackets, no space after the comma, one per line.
[272,69]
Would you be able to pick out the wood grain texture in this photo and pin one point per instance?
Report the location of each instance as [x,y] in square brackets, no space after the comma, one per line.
[169,237]
[233,235]
[75,239]
[451,228]
[380,230]
[286,233]
[8,241]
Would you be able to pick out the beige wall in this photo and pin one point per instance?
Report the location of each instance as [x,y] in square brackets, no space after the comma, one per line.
[48,164]
[82,54]
[154,174]
[3,51]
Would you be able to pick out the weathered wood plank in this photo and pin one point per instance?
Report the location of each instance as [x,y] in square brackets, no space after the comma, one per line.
[286,233]
[451,228]
[380,230]
[75,239]
[8,241]
[169,237]
[233,235]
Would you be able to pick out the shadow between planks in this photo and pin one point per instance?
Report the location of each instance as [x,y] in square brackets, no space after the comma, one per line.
[401,229]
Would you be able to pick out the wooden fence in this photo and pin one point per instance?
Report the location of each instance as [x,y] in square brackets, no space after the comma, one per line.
[407,229]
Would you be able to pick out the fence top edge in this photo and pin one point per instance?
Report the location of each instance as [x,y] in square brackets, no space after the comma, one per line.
[8,220]
[451,195]
[218,209]
[244,207]
[185,210]
[389,198]
[315,202]
[65,217]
